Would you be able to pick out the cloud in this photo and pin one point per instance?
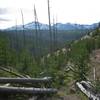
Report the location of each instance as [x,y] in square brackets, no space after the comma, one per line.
[4,19]
[3,11]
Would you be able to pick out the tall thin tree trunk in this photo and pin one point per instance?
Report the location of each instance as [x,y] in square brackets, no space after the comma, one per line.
[37,35]
[16,38]
[94,73]
[54,35]
[23,28]
[50,32]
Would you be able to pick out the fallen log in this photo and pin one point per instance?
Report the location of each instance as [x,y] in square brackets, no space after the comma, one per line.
[25,80]
[23,90]
[86,88]
[11,72]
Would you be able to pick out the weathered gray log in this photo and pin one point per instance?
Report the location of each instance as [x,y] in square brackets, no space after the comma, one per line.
[12,90]
[25,80]
[11,72]
[87,89]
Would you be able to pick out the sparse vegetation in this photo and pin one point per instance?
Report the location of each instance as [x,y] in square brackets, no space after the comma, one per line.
[28,62]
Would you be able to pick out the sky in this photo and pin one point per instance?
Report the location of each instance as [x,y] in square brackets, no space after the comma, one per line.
[63,11]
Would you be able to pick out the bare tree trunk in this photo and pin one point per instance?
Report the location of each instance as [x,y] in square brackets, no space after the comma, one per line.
[50,32]
[23,28]
[56,35]
[94,73]
[24,90]
[11,72]
[37,36]
[87,89]
[26,80]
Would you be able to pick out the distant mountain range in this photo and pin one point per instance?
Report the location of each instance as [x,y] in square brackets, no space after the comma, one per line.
[60,26]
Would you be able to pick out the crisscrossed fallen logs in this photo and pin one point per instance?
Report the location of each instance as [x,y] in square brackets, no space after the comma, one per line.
[20,80]
[26,90]
[88,90]
[12,90]
[25,80]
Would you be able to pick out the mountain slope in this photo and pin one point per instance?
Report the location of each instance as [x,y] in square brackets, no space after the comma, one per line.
[60,26]
[77,53]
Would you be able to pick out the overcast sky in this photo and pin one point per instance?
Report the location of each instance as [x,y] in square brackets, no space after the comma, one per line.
[74,11]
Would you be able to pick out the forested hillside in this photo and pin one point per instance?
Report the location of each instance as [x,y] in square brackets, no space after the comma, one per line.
[25,52]
[67,64]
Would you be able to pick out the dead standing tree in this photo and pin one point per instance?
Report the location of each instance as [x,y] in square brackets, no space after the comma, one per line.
[37,36]
[23,28]
[16,37]
[54,35]
[50,31]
